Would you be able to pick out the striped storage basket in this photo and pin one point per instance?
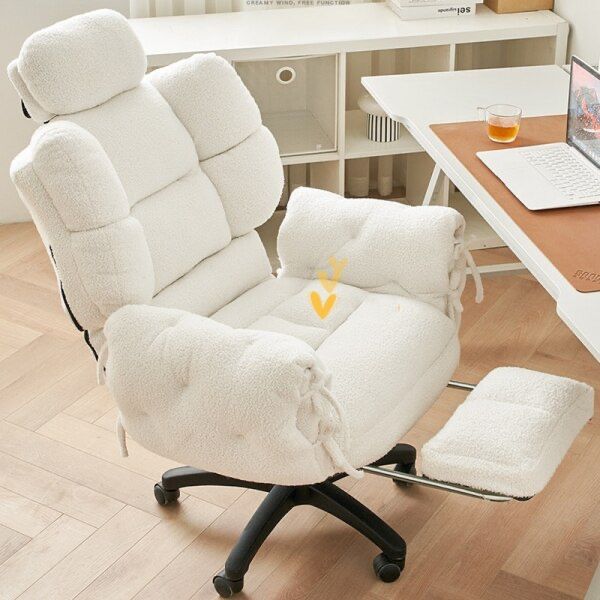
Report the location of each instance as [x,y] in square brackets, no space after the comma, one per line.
[380,128]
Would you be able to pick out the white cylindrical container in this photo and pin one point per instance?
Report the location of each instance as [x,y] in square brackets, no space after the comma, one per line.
[380,128]
[357,177]
[385,175]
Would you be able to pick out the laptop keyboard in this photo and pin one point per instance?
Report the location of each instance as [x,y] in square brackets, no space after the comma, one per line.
[573,177]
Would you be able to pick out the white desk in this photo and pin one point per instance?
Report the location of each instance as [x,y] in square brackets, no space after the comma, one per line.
[421,100]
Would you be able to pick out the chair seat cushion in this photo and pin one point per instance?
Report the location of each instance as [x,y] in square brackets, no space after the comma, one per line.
[389,356]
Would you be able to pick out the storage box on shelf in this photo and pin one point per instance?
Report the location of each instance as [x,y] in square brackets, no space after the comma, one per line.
[298,100]
[513,6]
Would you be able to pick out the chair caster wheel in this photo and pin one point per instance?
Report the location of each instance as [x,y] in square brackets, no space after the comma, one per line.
[164,497]
[227,587]
[386,569]
[409,468]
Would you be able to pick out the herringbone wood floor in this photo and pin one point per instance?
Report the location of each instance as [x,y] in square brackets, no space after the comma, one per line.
[78,521]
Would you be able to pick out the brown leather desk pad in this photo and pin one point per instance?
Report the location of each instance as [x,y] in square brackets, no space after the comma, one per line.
[568,237]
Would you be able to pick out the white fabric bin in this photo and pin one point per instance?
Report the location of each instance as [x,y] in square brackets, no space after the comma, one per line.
[297,98]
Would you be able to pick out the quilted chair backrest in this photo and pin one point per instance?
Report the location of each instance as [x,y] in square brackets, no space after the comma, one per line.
[146,189]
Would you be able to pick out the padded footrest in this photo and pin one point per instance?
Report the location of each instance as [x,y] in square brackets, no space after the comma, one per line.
[511,433]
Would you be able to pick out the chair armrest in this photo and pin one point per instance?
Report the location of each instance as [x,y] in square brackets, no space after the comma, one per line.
[249,404]
[392,248]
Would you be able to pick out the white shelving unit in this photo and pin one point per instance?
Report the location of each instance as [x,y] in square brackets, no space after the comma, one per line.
[365,39]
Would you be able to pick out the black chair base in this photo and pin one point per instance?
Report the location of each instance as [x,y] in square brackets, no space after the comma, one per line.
[280,499]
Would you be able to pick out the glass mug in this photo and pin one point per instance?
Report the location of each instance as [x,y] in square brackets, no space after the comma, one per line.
[503,122]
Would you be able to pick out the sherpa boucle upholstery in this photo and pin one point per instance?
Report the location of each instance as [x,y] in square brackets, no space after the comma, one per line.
[147,190]
[390,248]
[237,401]
[120,186]
[77,64]
[211,393]
[511,433]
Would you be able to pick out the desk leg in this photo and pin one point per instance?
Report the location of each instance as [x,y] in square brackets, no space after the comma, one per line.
[436,177]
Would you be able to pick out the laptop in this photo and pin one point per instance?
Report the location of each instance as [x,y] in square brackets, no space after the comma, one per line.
[564,174]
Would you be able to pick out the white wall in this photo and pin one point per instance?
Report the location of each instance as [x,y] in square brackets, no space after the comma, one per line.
[18,19]
[584,17]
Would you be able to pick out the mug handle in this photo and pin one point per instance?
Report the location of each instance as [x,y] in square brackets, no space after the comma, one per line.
[482,112]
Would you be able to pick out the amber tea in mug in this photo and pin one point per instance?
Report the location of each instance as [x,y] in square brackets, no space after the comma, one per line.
[503,122]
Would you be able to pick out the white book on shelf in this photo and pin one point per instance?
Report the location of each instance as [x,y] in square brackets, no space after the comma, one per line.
[423,3]
[458,8]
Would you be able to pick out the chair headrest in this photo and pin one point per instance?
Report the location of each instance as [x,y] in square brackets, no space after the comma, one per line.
[77,64]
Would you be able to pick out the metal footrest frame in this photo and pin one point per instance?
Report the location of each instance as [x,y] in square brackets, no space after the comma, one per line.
[438,485]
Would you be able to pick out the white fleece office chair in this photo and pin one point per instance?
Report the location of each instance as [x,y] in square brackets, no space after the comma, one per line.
[147,190]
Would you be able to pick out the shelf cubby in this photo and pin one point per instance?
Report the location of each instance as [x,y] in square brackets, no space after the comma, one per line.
[358,145]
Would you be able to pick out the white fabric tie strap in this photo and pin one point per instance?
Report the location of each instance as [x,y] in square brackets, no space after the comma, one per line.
[101,363]
[122,437]
[476,276]
[100,370]
[326,434]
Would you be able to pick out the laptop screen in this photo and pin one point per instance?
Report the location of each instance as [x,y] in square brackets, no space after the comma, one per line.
[583,130]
